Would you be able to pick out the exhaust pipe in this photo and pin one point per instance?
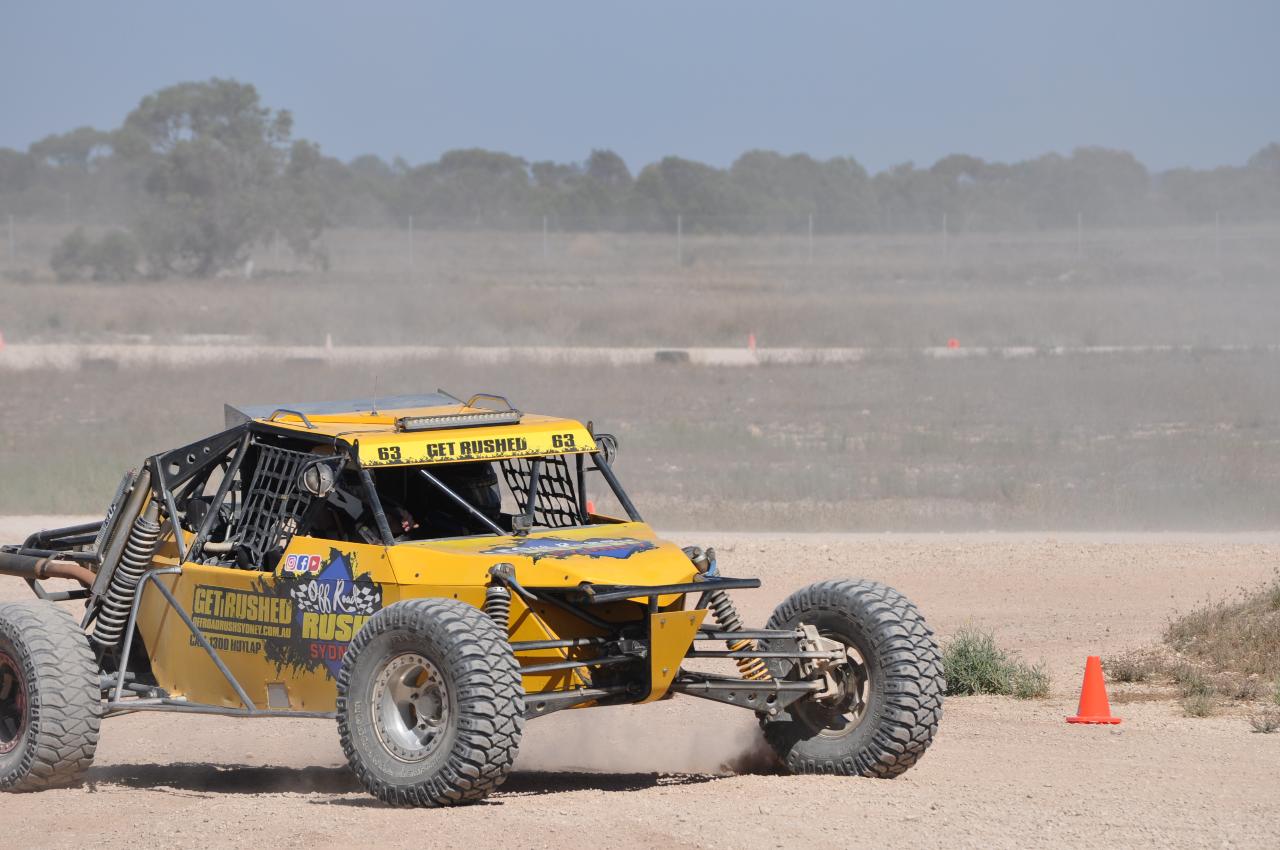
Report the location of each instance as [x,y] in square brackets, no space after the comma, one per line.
[30,567]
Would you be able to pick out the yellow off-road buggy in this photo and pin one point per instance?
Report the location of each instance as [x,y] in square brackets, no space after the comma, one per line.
[432,573]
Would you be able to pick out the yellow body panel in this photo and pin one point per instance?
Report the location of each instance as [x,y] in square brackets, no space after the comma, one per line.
[289,628]
[379,443]
[672,632]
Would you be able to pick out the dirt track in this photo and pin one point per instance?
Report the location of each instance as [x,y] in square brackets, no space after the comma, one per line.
[1002,773]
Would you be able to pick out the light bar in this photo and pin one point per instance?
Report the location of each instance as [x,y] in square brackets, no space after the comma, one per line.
[457,420]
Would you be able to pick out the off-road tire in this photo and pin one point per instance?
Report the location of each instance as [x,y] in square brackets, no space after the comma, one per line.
[485,703]
[904,704]
[60,698]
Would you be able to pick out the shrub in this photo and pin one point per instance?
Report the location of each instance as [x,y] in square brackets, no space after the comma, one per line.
[1191,681]
[77,257]
[1198,705]
[974,664]
[1266,722]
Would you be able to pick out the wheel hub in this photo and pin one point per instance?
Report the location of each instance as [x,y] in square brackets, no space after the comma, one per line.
[410,707]
[13,704]
[840,712]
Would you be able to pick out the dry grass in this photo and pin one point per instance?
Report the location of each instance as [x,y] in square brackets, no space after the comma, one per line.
[1144,442]
[1239,636]
[1135,665]
[1129,287]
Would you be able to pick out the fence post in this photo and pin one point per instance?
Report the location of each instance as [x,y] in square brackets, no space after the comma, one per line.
[13,255]
[412,252]
[810,238]
[679,239]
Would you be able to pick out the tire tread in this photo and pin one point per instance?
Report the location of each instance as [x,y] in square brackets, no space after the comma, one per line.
[66,704]
[911,665]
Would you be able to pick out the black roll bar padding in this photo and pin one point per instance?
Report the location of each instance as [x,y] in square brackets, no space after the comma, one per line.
[375,505]
[535,478]
[583,517]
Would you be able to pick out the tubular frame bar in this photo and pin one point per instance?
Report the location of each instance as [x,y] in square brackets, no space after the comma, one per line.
[172,510]
[618,594]
[553,666]
[616,486]
[714,633]
[563,643]
[220,495]
[116,709]
[59,535]
[730,653]
[539,705]
[463,503]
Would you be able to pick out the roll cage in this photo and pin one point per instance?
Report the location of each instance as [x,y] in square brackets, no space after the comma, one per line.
[259,500]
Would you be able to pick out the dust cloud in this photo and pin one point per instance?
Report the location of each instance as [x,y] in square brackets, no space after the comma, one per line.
[647,739]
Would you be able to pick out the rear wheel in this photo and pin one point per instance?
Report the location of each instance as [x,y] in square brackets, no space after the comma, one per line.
[887,700]
[50,702]
[430,704]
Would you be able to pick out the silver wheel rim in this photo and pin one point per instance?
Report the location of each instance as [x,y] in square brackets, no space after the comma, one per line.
[410,706]
[839,717]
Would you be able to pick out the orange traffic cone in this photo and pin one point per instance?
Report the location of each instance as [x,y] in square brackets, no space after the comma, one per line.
[1094,707]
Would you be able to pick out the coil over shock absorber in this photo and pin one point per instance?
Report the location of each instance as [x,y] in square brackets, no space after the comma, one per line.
[726,615]
[113,615]
[497,604]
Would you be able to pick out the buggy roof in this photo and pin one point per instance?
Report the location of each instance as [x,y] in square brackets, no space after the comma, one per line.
[422,429]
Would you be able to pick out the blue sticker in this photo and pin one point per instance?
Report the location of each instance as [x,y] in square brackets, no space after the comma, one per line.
[557,547]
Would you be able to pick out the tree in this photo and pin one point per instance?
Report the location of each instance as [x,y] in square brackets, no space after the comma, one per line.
[77,148]
[213,162]
[703,195]
[472,187]
[17,171]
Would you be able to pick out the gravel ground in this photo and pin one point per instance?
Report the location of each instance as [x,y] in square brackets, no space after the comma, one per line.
[1001,773]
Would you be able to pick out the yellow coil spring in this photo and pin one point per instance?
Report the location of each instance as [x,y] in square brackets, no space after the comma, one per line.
[727,616]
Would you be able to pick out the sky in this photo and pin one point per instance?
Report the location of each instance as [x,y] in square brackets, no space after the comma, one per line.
[1178,83]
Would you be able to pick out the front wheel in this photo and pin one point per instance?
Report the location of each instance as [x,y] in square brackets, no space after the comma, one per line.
[887,700]
[430,704]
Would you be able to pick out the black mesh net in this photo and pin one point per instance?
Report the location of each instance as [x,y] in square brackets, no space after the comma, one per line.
[273,504]
[556,505]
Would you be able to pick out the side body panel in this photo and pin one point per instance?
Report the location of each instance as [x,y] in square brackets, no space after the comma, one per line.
[283,633]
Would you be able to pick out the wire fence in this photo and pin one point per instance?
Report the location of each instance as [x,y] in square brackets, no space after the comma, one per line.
[413,251]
